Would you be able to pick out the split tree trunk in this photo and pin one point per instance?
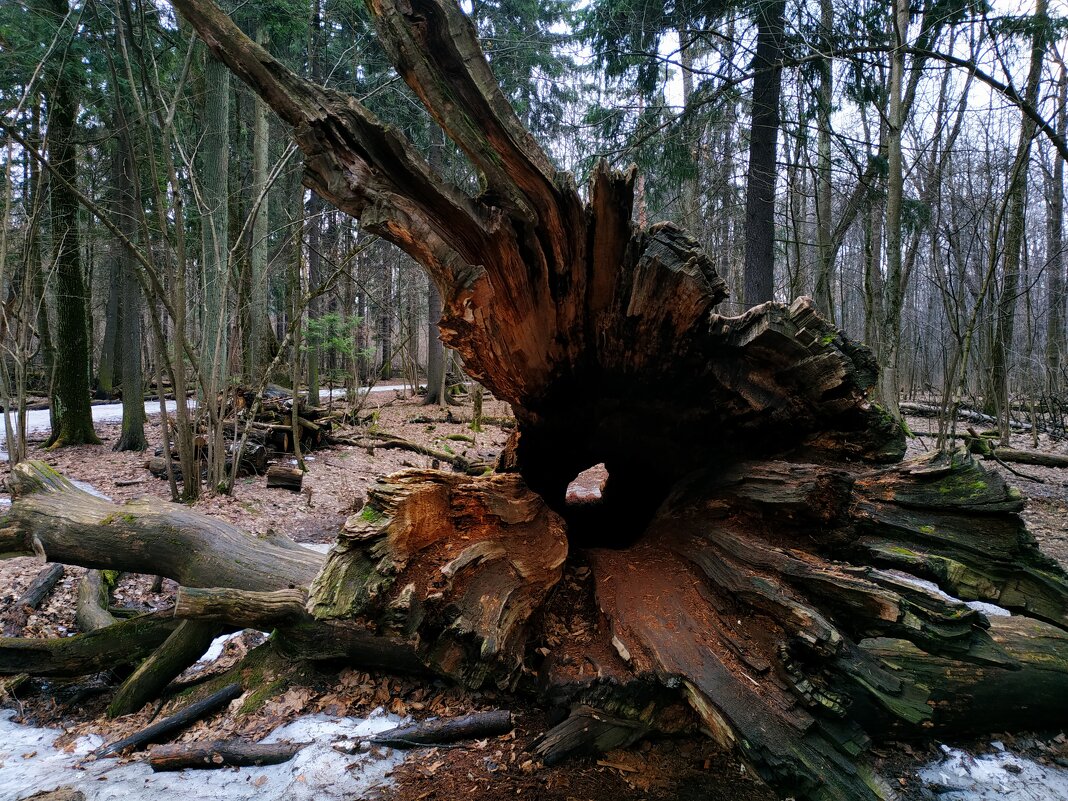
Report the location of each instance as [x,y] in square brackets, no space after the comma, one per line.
[737,578]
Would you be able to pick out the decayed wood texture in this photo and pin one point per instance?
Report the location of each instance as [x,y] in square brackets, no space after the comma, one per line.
[766,589]
[458,565]
[743,592]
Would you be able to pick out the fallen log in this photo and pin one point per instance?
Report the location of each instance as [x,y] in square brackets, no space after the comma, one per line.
[124,643]
[248,610]
[371,440]
[172,724]
[52,516]
[965,414]
[20,610]
[284,477]
[1041,458]
[437,732]
[221,754]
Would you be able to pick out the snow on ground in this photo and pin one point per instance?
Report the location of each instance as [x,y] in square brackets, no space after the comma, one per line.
[39,422]
[30,763]
[1000,776]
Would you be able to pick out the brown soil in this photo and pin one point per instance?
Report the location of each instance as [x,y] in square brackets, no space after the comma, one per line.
[494,769]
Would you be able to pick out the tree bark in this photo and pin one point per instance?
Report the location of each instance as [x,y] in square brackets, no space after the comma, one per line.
[132,437]
[1005,316]
[73,420]
[1056,339]
[221,754]
[763,147]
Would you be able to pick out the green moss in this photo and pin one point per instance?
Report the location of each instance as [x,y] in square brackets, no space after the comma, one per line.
[371,515]
[262,694]
[108,520]
[927,529]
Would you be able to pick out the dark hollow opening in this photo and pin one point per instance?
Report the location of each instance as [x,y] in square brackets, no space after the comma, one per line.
[605,510]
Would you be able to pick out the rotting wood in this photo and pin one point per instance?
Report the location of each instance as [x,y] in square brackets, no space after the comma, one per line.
[221,754]
[383,440]
[285,477]
[587,731]
[172,724]
[436,732]
[19,612]
[59,794]
[725,588]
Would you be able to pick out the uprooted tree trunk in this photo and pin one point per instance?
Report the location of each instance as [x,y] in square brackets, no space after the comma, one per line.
[772,603]
[750,570]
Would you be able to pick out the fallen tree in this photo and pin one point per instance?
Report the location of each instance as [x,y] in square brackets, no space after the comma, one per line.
[751,569]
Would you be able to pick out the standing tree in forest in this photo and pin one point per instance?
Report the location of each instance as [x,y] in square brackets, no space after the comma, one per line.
[72,416]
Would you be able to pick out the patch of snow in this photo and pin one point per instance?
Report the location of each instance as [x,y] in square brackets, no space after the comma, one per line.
[988,609]
[30,763]
[216,648]
[85,486]
[318,547]
[960,776]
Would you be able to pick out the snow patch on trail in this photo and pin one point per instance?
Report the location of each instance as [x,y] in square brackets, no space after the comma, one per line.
[1002,776]
[30,763]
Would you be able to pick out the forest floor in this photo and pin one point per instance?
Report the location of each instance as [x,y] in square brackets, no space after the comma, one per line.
[499,768]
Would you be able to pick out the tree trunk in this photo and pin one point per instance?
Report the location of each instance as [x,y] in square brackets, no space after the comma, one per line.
[894,293]
[132,437]
[215,224]
[256,325]
[763,167]
[747,555]
[1016,207]
[824,201]
[1056,340]
[73,420]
